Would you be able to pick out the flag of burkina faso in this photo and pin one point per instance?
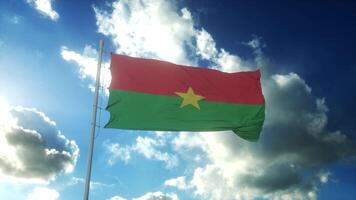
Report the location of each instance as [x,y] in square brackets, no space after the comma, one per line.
[147,94]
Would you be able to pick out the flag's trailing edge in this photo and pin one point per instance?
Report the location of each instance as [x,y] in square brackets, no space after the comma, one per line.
[147,94]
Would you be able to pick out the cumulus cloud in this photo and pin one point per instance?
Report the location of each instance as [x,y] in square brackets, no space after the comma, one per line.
[43,193]
[32,148]
[157,196]
[45,7]
[145,146]
[148,28]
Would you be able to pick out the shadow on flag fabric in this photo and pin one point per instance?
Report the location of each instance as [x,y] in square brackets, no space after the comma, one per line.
[147,94]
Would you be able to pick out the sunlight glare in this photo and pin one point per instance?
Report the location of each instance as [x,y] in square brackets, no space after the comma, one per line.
[6,120]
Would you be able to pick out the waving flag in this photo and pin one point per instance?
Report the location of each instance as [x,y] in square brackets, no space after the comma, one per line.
[148,94]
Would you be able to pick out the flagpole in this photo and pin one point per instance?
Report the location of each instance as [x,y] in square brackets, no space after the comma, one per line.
[93,122]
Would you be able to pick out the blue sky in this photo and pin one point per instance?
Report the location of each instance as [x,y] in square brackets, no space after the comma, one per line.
[48,58]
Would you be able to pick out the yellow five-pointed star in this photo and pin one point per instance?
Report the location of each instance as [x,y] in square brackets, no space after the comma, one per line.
[190,98]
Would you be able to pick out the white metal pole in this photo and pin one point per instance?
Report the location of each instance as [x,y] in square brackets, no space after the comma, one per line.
[93,122]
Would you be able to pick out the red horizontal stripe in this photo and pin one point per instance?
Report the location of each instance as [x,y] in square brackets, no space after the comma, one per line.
[164,78]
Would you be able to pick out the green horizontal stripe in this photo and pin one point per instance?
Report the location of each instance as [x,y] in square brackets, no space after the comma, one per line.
[141,111]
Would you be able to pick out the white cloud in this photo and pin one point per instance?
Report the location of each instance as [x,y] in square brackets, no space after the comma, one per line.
[43,193]
[210,183]
[157,196]
[286,80]
[87,62]
[146,146]
[206,46]
[220,59]
[230,63]
[116,152]
[178,182]
[45,7]
[148,28]
[186,140]
[116,198]
[32,148]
